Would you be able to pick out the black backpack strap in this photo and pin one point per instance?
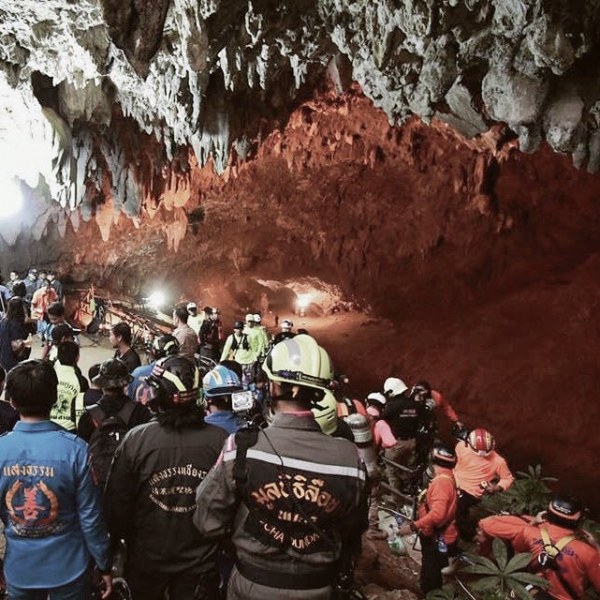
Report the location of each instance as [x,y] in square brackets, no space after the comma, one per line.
[126,411]
[97,414]
[244,440]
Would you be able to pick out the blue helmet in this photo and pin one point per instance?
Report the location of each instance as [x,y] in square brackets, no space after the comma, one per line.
[221,381]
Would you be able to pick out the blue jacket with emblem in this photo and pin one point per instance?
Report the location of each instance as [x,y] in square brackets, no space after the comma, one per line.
[50,507]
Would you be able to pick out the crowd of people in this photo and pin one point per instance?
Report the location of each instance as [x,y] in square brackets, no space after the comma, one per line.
[234,467]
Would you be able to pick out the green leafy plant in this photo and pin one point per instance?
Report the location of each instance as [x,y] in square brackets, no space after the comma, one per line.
[500,578]
[529,494]
[447,592]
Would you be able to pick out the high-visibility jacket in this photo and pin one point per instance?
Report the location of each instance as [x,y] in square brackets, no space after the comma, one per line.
[69,387]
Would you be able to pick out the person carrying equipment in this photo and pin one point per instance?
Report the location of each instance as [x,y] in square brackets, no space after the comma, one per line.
[436,524]
[286,494]
[566,556]
[104,424]
[479,470]
[150,494]
[405,417]
[238,346]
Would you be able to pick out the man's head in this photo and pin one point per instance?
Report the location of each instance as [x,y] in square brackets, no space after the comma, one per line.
[32,274]
[481,441]
[238,326]
[62,332]
[286,325]
[564,511]
[180,315]
[192,309]
[218,385]
[44,285]
[15,309]
[93,372]
[375,402]
[56,313]
[249,320]
[393,387]
[43,275]
[14,276]
[174,384]
[31,388]
[68,353]
[443,457]
[299,371]
[165,345]
[120,335]
[113,375]
[257,319]
[51,276]
[421,391]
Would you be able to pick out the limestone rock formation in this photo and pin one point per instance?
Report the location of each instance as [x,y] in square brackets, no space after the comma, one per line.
[217,75]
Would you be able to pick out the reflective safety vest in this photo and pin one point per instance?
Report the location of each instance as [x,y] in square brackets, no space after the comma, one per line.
[68,390]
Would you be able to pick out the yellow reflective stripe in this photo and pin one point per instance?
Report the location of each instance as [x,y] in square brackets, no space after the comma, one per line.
[174,380]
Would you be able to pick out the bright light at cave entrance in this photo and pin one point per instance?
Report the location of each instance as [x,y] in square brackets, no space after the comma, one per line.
[11,198]
[156,300]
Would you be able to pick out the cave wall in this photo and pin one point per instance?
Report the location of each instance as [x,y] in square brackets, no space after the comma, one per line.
[477,264]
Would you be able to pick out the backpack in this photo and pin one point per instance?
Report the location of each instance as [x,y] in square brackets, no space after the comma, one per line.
[106,437]
[245,343]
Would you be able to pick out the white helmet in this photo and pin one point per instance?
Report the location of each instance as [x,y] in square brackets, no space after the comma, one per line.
[257,318]
[192,306]
[249,318]
[286,325]
[394,387]
[377,398]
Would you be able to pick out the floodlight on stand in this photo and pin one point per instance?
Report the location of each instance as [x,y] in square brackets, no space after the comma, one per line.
[302,303]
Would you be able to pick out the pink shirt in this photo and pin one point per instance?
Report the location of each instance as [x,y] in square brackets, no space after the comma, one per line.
[382,435]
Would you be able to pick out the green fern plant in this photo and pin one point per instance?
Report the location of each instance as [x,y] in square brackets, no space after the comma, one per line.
[501,579]
[529,494]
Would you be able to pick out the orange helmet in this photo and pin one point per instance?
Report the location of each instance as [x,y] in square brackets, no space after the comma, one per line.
[481,440]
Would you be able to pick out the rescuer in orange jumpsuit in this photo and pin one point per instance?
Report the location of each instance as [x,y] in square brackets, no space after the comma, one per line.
[565,556]
[436,523]
[479,470]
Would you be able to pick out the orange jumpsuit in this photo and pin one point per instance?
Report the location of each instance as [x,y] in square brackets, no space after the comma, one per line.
[437,528]
[578,562]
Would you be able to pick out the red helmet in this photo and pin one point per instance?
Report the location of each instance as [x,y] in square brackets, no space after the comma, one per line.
[481,440]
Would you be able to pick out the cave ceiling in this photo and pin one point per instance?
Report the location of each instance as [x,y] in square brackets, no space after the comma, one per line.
[119,99]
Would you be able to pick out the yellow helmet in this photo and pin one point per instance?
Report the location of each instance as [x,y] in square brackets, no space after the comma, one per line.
[299,361]
[325,412]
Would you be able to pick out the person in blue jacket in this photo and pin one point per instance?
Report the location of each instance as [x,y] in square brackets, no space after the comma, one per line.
[49,504]
[218,385]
